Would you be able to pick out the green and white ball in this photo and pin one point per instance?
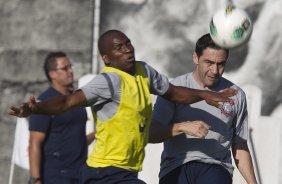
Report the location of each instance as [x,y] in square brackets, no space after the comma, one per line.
[230,27]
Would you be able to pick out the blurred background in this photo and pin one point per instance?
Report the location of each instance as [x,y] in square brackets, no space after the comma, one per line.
[163,33]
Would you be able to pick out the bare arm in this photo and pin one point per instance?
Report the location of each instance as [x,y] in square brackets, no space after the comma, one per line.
[243,162]
[90,138]
[55,105]
[184,95]
[35,153]
[159,132]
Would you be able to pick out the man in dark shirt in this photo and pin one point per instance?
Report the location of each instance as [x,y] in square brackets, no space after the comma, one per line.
[58,144]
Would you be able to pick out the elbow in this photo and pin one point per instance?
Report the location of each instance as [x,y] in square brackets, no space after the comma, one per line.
[153,138]
[154,141]
[170,94]
[34,147]
[158,132]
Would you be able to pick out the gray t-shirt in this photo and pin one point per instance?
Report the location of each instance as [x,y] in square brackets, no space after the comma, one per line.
[106,101]
[226,127]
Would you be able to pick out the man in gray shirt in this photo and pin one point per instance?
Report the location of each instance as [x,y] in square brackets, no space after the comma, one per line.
[198,137]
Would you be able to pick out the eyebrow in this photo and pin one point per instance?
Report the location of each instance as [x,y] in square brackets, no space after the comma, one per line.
[224,61]
[66,65]
[117,43]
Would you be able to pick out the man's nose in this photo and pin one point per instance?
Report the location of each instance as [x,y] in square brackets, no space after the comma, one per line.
[215,69]
[128,48]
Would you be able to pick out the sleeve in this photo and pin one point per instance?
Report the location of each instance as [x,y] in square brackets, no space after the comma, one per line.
[97,91]
[40,123]
[159,84]
[241,125]
[163,111]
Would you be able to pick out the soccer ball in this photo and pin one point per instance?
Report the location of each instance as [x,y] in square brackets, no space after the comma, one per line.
[230,27]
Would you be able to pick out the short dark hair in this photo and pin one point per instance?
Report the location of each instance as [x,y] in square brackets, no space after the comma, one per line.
[102,40]
[50,62]
[206,42]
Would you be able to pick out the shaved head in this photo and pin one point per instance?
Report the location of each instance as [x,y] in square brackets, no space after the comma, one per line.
[117,51]
[104,40]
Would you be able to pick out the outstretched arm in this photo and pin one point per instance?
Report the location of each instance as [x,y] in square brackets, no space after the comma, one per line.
[159,132]
[243,161]
[184,95]
[55,105]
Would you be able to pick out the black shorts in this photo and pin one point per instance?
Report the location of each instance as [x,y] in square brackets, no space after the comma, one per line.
[198,173]
[108,175]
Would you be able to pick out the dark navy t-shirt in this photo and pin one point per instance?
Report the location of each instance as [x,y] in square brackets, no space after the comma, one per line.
[65,149]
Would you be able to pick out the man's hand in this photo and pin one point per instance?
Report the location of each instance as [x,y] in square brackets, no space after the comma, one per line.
[195,128]
[217,99]
[25,109]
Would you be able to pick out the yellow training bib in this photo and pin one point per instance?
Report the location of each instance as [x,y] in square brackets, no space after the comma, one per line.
[121,140]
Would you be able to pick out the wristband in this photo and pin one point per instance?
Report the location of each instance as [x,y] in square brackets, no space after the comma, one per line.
[33,180]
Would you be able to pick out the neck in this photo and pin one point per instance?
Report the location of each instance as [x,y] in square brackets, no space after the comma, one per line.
[65,90]
[126,71]
[197,78]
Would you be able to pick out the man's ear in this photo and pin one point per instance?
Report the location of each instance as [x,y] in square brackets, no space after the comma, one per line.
[106,59]
[52,74]
[195,58]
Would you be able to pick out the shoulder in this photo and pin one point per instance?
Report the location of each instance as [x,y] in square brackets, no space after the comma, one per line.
[103,85]
[50,92]
[149,69]
[112,75]
[142,63]
[182,80]
[151,72]
[225,83]
[104,78]
[228,83]
[111,79]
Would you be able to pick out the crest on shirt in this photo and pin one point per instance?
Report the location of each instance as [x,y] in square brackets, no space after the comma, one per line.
[227,109]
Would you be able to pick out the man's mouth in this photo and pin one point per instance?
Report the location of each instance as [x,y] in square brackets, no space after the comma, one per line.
[131,58]
[213,77]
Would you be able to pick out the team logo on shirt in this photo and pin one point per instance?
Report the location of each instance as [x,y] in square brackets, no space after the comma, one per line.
[227,109]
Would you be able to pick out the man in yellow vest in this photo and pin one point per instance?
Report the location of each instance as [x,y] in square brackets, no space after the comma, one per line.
[120,98]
